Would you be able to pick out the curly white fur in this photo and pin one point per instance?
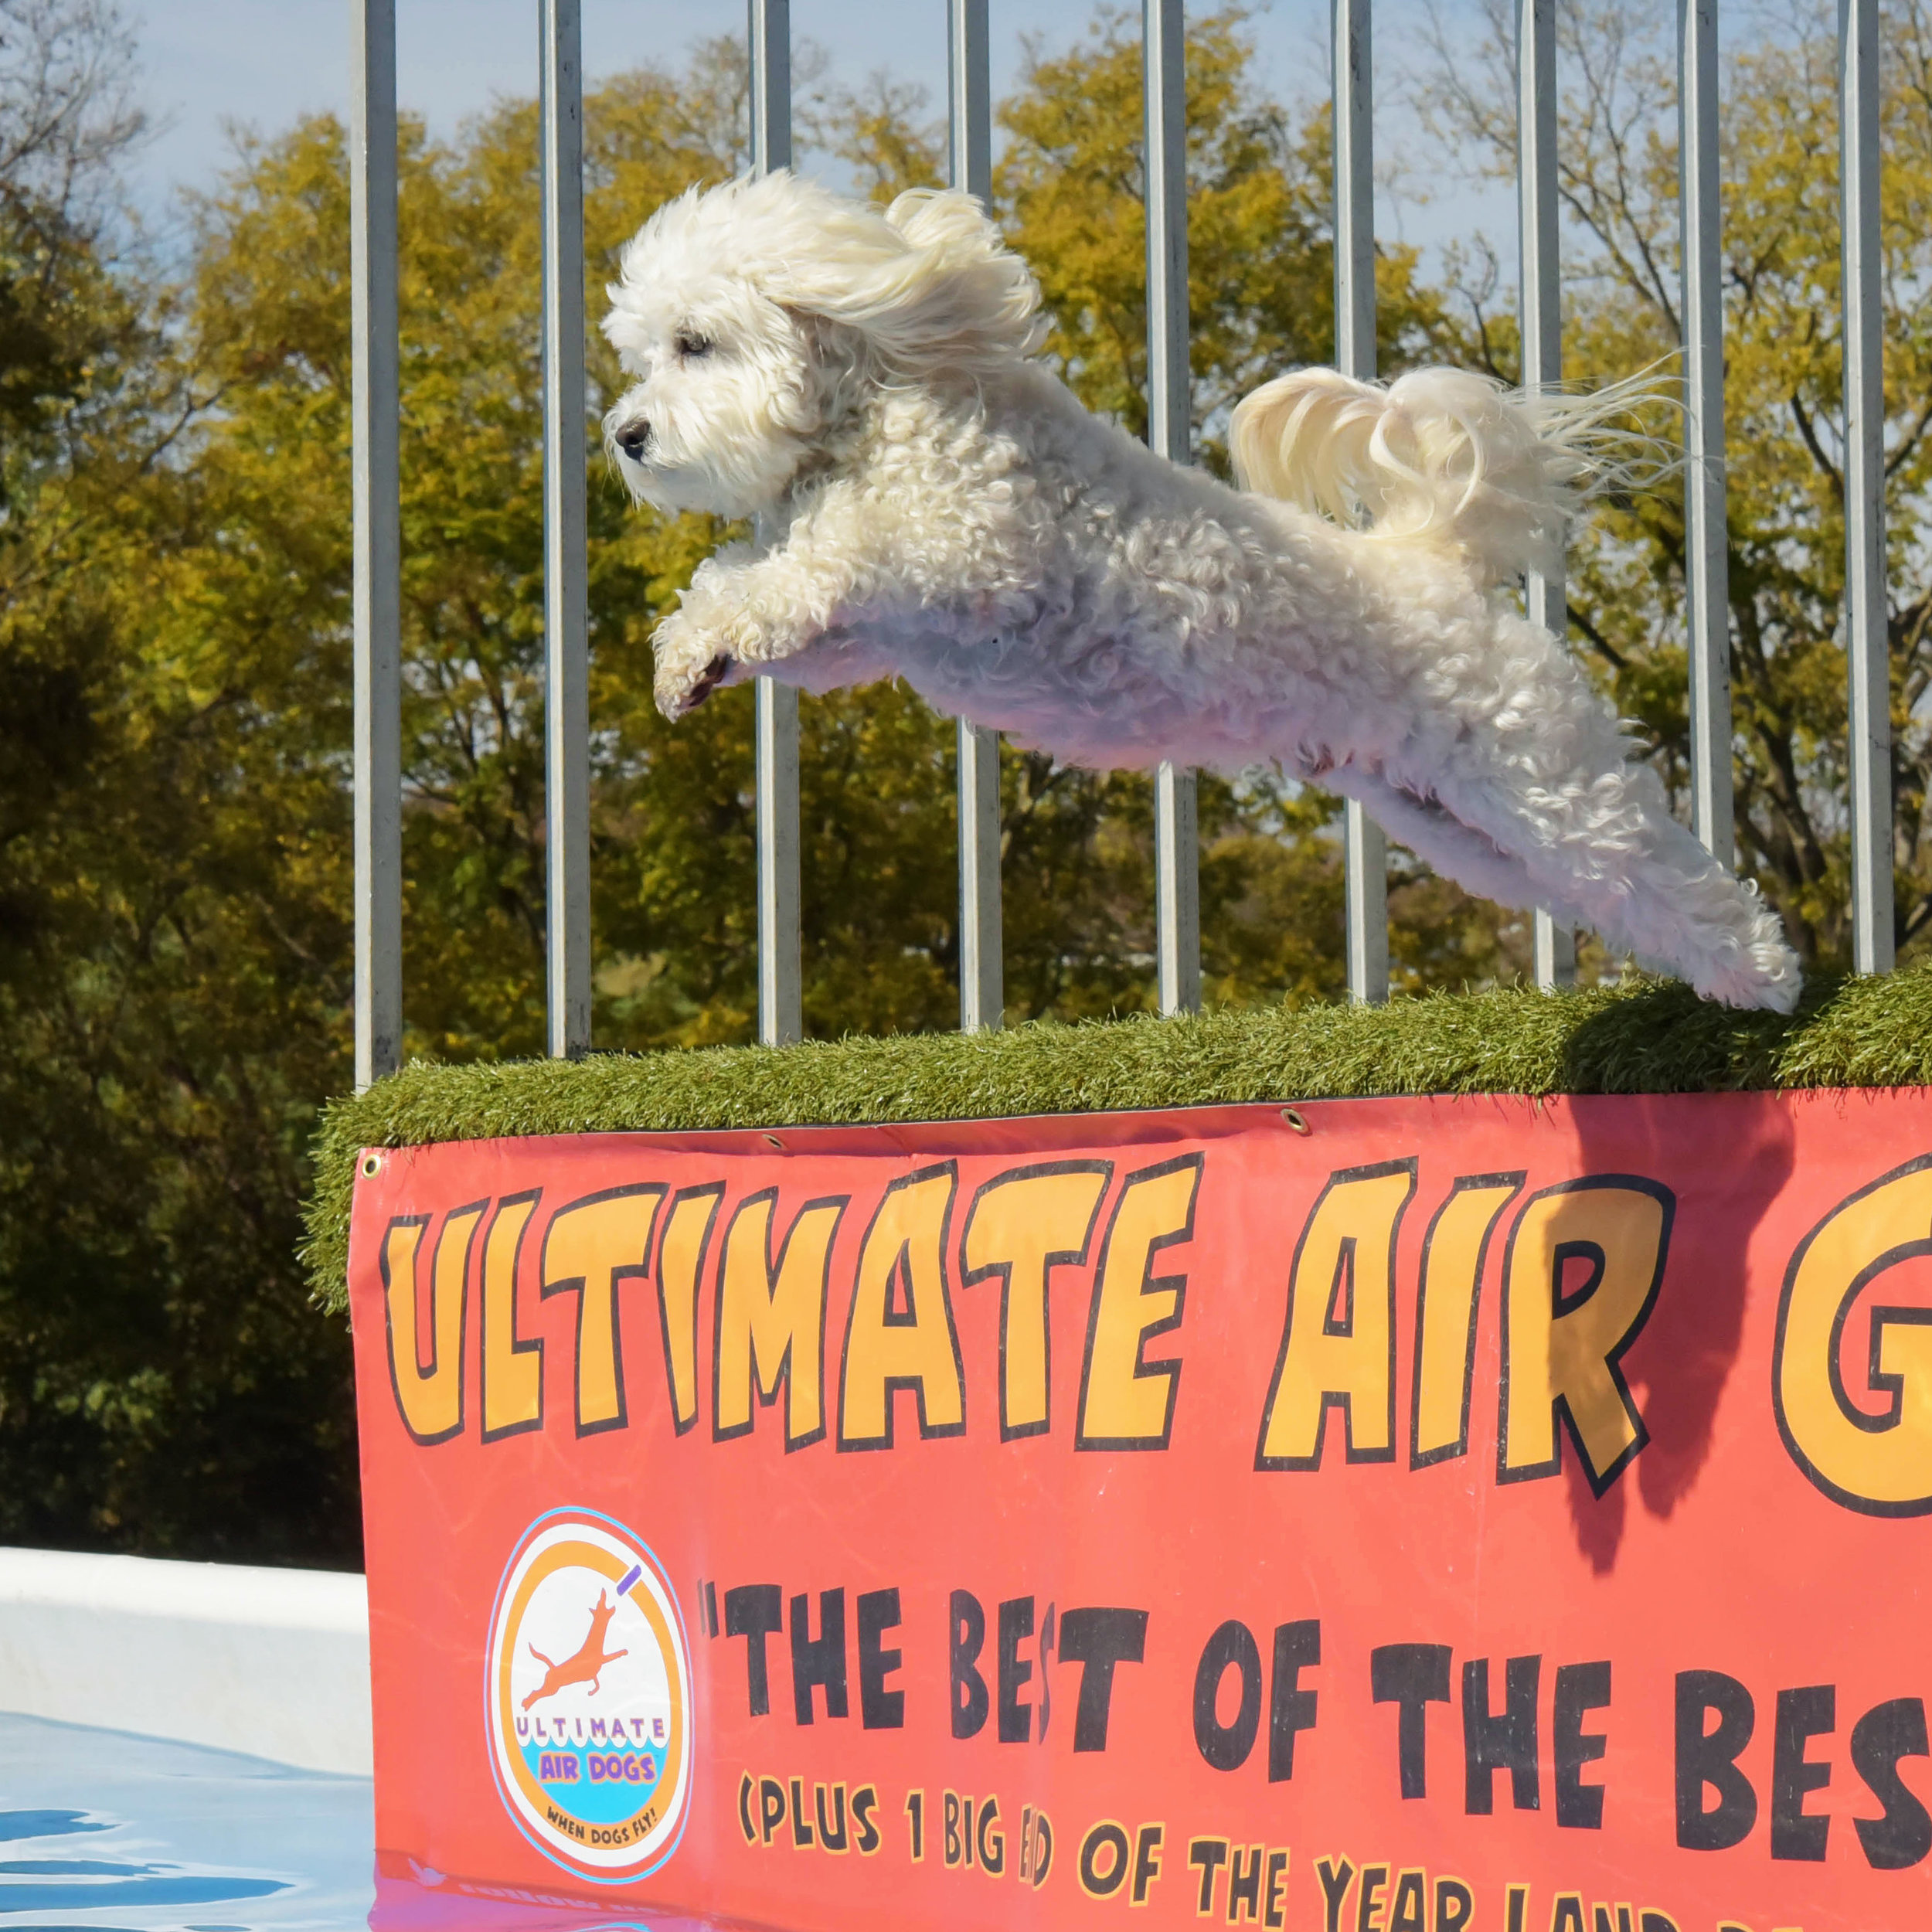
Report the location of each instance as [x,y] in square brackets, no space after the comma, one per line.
[934,503]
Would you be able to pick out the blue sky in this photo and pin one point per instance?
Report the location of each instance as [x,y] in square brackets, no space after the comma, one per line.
[209,63]
[267,60]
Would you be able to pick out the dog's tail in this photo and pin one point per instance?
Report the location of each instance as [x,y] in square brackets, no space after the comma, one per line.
[1447,458]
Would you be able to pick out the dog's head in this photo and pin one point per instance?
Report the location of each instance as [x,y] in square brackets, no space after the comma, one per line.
[757,317]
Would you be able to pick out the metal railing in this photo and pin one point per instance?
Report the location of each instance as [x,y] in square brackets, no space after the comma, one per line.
[566,567]
[1365,851]
[982,968]
[1539,277]
[377,598]
[775,714]
[1866,650]
[377,602]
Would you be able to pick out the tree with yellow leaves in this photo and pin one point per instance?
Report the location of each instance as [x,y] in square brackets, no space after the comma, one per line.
[1784,408]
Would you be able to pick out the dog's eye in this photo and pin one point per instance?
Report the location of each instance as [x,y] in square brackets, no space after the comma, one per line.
[690,343]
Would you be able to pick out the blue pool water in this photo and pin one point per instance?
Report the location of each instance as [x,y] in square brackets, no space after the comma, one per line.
[103,1832]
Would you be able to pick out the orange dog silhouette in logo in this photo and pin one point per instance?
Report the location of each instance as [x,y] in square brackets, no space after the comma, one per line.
[585,1664]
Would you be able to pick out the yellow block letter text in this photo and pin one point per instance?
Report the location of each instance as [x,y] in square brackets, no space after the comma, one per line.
[1338,1342]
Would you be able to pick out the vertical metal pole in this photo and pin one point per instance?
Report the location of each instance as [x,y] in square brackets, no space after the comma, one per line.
[566,704]
[1706,546]
[775,726]
[982,976]
[970,97]
[1351,81]
[982,994]
[1542,335]
[1177,844]
[781,957]
[1177,877]
[1866,648]
[377,595]
[771,28]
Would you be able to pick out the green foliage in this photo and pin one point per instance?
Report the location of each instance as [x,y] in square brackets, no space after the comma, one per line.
[1640,1039]
[171,923]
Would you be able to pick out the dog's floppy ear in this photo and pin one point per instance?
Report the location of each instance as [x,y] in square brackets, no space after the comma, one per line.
[930,284]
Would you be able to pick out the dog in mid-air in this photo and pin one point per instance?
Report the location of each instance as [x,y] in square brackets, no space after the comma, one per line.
[932,503]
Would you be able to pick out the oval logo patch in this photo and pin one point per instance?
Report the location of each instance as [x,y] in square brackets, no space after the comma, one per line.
[589,1697]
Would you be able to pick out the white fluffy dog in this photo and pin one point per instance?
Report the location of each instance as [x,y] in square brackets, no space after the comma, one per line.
[933,504]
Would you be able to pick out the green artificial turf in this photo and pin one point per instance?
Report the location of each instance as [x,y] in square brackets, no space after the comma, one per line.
[1658,1039]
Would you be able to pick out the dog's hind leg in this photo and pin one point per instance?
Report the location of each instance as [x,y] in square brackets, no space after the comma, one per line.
[1598,846]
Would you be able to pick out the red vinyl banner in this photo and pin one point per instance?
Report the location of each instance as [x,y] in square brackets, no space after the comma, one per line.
[1412,1516]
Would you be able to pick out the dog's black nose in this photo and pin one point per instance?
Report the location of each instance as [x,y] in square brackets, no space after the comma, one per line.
[634,439]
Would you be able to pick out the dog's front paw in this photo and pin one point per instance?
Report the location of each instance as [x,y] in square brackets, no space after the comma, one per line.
[690,666]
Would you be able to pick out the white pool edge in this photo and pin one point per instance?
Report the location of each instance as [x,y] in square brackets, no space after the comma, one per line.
[271,1662]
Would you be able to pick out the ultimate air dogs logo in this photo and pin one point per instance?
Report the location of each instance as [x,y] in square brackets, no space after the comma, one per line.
[590,1698]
